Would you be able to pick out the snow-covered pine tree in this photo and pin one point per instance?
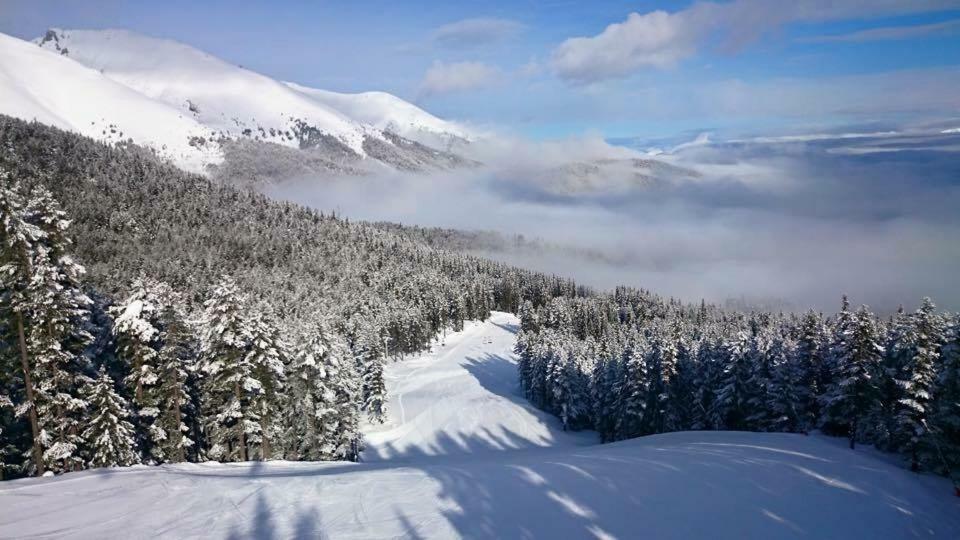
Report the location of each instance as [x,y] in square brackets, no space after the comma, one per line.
[944,425]
[634,389]
[851,399]
[734,392]
[682,387]
[7,448]
[18,240]
[661,370]
[759,415]
[917,381]
[109,436]
[266,356]
[812,363]
[785,399]
[135,329]
[887,434]
[348,441]
[709,374]
[229,381]
[603,391]
[43,298]
[369,357]
[571,390]
[176,363]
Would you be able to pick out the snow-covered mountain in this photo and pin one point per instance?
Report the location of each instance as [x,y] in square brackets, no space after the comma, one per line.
[389,113]
[185,103]
[55,90]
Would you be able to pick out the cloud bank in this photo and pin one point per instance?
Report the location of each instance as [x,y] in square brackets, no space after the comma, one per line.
[800,219]
[660,39]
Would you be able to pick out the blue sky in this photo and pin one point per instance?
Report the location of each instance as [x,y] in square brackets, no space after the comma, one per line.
[740,67]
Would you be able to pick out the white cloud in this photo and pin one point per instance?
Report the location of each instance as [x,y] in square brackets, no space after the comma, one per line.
[445,78]
[475,32]
[660,39]
[887,33]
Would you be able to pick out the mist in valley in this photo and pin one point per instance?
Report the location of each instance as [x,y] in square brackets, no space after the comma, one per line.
[789,222]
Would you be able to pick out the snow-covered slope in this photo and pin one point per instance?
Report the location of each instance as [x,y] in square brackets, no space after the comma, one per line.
[461,459]
[464,397]
[36,84]
[226,98]
[388,113]
[184,103]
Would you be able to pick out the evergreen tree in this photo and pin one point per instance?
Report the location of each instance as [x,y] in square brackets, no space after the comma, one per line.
[266,357]
[788,386]
[138,338]
[176,364]
[852,398]
[229,374]
[944,425]
[18,241]
[734,392]
[634,390]
[919,376]
[760,384]
[109,435]
[814,368]
[41,284]
[369,356]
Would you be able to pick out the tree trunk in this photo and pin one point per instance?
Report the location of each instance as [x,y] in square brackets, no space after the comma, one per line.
[28,382]
[264,438]
[243,434]
[138,392]
[178,417]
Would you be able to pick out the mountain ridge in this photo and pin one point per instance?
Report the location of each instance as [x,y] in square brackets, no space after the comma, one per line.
[196,102]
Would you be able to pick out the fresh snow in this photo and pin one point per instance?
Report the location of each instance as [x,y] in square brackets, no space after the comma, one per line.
[36,84]
[463,456]
[388,113]
[117,85]
[227,98]
[464,398]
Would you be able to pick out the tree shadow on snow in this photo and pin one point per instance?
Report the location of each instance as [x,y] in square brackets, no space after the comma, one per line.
[701,485]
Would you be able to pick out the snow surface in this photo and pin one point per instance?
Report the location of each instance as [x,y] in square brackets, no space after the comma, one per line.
[115,85]
[226,97]
[464,397]
[461,457]
[36,84]
[386,112]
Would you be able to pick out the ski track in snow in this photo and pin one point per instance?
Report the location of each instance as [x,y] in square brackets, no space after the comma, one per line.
[463,455]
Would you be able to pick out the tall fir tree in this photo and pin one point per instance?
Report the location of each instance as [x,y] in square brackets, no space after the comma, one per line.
[176,368]
[266,357]
[109,436]
[917,381]
[228,374]
[944,424]
[138,337]
[851,400]
[43,296]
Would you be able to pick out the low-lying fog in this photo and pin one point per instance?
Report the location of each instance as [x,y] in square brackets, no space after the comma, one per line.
[800,220]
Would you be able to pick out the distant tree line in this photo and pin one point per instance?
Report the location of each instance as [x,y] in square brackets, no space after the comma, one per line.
[627,364]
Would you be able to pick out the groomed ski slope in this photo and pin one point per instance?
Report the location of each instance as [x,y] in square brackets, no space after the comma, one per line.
[463,456]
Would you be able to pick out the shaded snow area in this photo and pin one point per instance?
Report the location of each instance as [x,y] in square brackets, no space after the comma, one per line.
[462,455]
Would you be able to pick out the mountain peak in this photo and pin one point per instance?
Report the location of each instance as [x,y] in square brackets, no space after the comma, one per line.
[219,101]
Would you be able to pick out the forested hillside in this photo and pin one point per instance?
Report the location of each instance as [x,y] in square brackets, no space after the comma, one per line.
[202,301]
